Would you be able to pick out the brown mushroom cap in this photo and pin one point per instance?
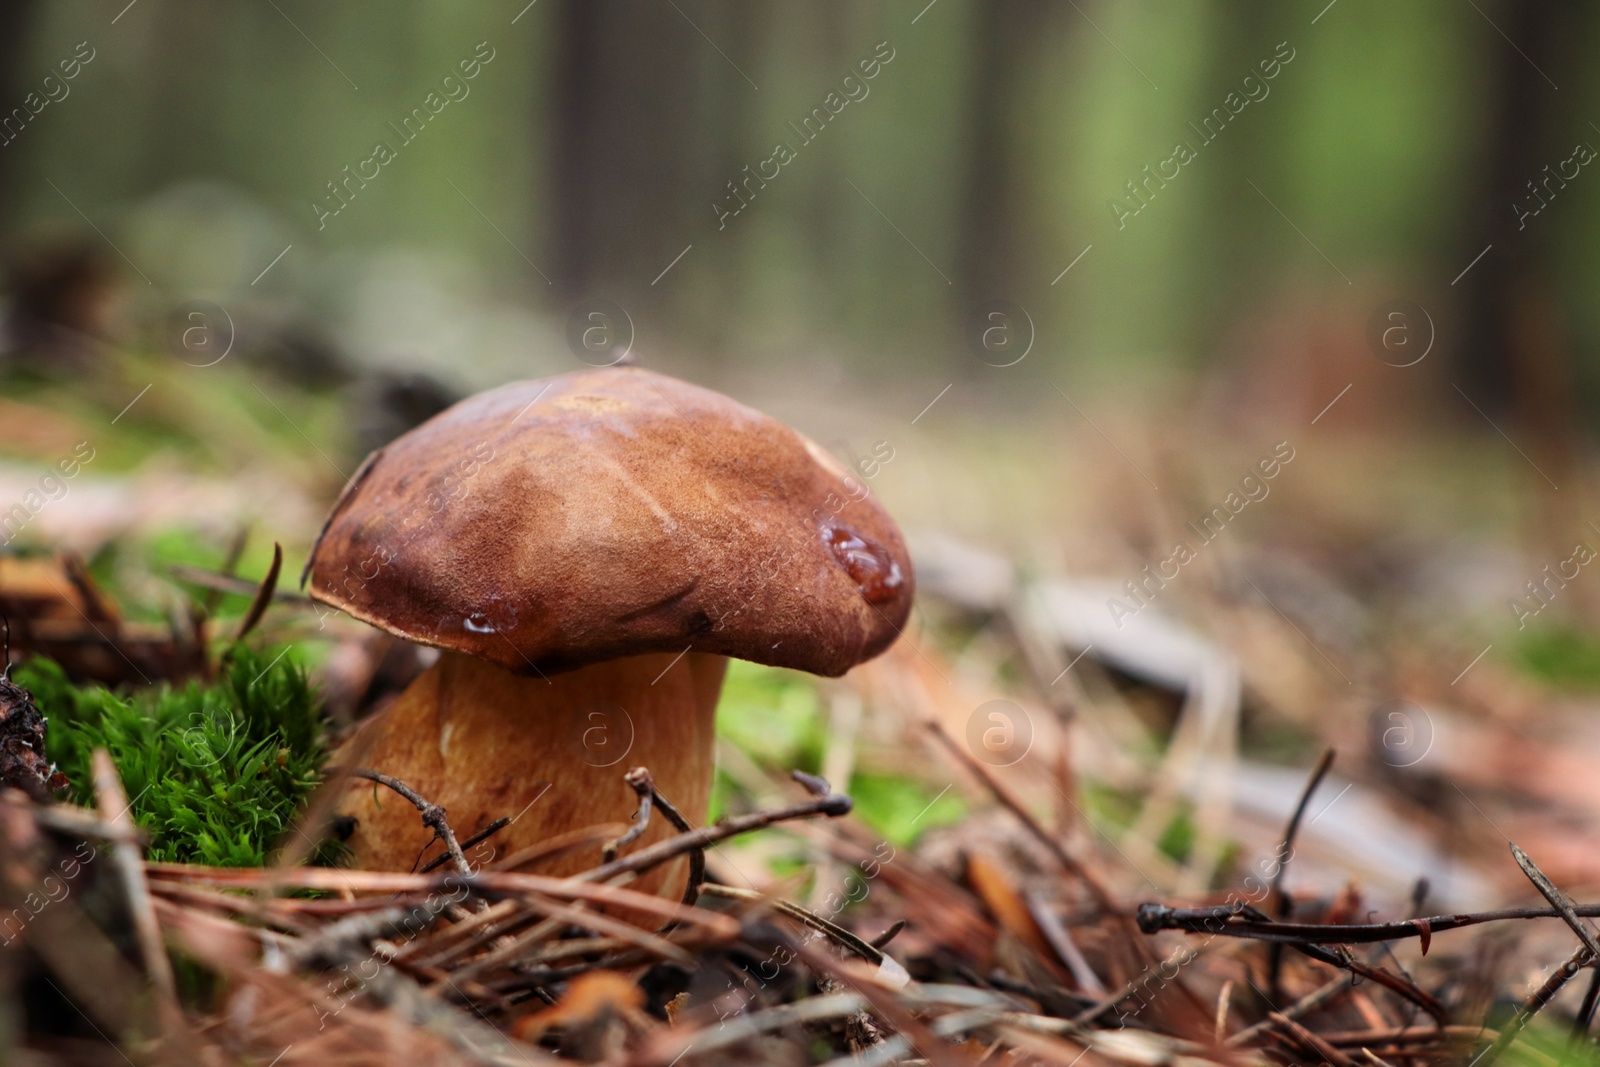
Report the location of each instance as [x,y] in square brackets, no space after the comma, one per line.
[546,525]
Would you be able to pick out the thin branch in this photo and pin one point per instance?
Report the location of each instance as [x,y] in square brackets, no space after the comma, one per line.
[476,839]
[866,950]
[1231,921]
[816,786]
[888,935]
[641,782]
[433,816]
[1281,904]
[1534,1004]
[643,785]
[1558,900]
[833,805]
[1587,952]
[697,856]
[1286,850]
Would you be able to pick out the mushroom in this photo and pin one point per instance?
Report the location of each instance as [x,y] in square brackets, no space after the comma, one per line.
[587,550]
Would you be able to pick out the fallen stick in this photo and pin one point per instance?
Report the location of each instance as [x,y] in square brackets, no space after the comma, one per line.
[1228,921]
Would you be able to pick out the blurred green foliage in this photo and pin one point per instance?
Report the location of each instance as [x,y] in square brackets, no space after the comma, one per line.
[901,808]
[1562,656]
[777,718]
[774,715]
[1118,808]
[1177,840]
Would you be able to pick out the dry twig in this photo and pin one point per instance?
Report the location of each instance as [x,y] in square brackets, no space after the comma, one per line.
[114,808]
[433,816]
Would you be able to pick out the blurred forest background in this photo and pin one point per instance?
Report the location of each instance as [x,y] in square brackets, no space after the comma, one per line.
[1064,281]
[1184,314]
[597,141]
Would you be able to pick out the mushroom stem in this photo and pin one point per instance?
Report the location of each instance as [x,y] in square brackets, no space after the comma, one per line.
[548,753]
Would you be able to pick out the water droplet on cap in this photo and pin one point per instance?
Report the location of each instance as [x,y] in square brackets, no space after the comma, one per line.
[875,572]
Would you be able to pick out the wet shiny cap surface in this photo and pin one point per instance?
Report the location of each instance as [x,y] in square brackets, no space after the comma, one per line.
[549,524]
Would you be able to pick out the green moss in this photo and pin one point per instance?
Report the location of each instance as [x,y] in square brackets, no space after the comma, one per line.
[216,773]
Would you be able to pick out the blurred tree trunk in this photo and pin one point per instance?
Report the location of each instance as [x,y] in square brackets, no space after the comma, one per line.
[645,110]
[1515,357]
[1238,175]
[17,19]
[580,101]
[728,145]
[1501,363]
[992,245]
